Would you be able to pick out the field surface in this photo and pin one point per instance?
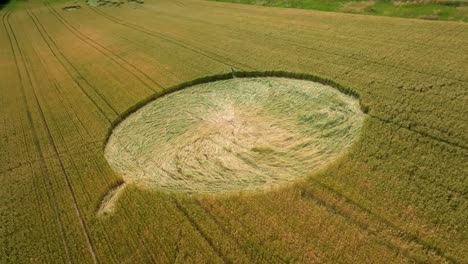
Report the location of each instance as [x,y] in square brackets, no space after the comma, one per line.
[399,194]
[454,10]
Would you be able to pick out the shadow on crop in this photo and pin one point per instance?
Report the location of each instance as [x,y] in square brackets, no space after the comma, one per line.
[4,3]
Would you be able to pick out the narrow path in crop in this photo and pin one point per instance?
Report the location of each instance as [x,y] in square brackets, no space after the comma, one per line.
[66,64]
[147,81]
[289,41]
[201,233]
[21,60]
[68,151]
[422,133]
[18,58]
[159,35]
[267,14]
[239,238]
[376,226]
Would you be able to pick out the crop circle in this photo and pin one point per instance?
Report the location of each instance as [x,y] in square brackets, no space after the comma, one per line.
[232,135]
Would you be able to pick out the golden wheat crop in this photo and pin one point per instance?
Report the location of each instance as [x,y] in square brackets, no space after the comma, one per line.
[68,78]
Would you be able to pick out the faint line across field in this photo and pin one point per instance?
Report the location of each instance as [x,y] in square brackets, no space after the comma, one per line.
[69,152]
[201,232]
[50,194]
[58,53]
[299,45]
[134,71]
[402,234]
[424,134]
[176,42]
[248,251]
[343,33]
[54,147]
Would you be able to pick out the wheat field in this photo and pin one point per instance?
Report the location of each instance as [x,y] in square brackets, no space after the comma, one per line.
[71,78]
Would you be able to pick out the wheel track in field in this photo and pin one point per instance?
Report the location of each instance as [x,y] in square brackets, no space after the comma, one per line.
[291,42]
[264,255]
[105,51]
[54,148]
[186,46]
[400,42]
[58,53]
[180,4]
[50,194]
[108,183]
[70,115]
[245,249]
[299,45]
[359,225]
[70,151]
[422,133]
[86,146]
[434,138]
[144,245]
[200,231]
[265,36]
[369,227]
[204,235]
[408,45]
[123,63]
[40,180]
[349,220]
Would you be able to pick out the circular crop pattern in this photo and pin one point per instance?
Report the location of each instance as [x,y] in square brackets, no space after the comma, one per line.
[238,134]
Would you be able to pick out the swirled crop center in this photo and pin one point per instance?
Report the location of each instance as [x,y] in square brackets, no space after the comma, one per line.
[238,134]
